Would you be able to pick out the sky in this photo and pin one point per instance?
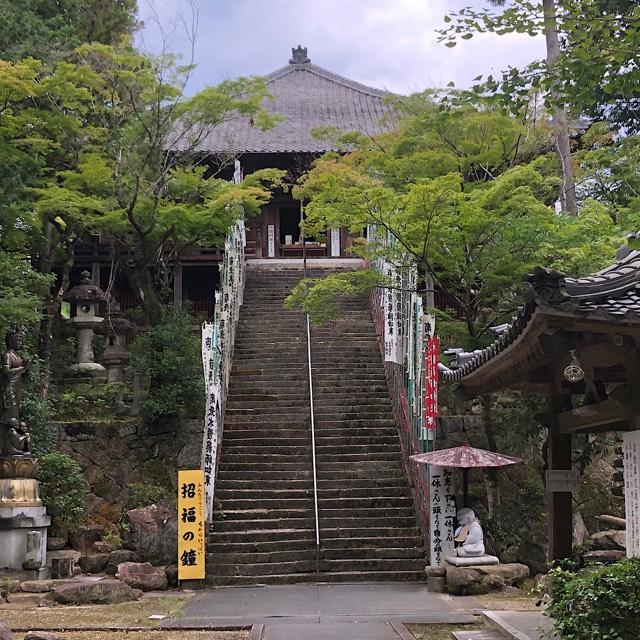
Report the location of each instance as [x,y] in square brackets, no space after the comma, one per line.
[388,44]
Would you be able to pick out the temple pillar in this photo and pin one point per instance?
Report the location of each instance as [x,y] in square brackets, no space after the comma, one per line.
[559,504]
[177,285]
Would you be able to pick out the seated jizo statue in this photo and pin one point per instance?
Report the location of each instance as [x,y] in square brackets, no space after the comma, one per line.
[469,535]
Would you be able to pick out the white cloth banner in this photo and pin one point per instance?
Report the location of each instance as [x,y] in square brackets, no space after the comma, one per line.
[212,402]
[631,454]
[390,317]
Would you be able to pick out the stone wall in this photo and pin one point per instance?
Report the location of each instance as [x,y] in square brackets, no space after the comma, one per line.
[122,451]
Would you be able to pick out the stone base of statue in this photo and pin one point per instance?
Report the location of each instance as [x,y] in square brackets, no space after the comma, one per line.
[471,561]
[23,518]
[81,371]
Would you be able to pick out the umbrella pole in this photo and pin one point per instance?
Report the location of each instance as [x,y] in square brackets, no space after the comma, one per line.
[465,487]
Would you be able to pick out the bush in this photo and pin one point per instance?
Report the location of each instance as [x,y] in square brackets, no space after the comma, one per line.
[142,494]
[169,356]
[63,490]
[601,603]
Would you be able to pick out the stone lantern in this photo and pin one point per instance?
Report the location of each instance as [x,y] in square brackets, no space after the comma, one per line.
[115,355]
[85,300]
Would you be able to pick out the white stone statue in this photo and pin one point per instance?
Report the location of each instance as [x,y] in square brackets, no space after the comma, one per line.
[469,534]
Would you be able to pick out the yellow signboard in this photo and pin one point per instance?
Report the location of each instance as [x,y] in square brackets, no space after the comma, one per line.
[191,526]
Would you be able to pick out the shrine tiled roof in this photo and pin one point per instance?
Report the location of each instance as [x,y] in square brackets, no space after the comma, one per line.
[611,295]
[308,97]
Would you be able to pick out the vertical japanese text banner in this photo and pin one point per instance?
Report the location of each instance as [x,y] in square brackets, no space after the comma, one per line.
[432,348]
[442,512]
[191,526]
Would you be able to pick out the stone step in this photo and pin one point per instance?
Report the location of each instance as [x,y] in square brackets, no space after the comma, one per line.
[355,576]
[262,535]
[261,546]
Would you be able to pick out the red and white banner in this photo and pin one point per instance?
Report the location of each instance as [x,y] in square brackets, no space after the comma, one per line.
[430,401]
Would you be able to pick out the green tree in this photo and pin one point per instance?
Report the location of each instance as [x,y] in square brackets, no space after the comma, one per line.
[138,178]
[594,72]
[467,194]
[52,29]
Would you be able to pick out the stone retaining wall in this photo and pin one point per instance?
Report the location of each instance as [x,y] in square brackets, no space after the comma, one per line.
[114,454]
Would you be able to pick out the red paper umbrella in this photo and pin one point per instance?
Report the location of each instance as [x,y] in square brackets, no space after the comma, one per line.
[465,457]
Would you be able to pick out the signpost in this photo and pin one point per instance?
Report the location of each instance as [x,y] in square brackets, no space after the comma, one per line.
[631,456]
[442,511]
[191,526]
[271,241]
[562,481]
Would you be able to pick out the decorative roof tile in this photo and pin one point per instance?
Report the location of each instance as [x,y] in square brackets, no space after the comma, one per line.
[308,97]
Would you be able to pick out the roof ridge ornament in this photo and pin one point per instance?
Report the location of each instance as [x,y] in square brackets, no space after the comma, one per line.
[299,55]
[545,287]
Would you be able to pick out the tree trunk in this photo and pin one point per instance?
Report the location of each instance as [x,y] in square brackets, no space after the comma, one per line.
[50,309]
[490,473]
[560,123]
[142,282]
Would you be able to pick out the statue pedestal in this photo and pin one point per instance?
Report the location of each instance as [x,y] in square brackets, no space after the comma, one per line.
[472,561]
[23,518]
[16,522]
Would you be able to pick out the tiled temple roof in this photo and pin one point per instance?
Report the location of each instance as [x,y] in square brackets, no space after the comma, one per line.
[611,295]
[308,97]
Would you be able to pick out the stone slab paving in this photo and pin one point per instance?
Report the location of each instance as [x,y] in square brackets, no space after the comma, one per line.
[521,625]
[331,631]
[319,611]
[480,634]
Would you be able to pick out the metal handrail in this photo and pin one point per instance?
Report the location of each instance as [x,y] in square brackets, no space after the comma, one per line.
[313,447]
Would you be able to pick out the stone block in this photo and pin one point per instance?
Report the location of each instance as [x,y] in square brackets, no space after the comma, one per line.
[94,562]
[611,539]
[83,538]
[603,556]
[102,546]
[36,586]
[100,592]
[172,575]
[436,584]
[42,635]
[56,544]
[510,573]
[5,631]
[118,557]
[153,533]
[143,576]
[17,526]
[613,522]
[483,579]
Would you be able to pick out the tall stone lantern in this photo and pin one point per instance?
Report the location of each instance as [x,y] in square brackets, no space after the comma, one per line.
[86,299]
[117,329]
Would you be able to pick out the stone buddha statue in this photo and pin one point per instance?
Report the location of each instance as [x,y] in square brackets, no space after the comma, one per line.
[14,437]
[469,539]
[469,535]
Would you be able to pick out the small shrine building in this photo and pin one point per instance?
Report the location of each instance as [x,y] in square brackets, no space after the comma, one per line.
[576,341]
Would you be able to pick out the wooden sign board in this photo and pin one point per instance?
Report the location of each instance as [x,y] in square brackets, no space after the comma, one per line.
[562,481]
[271,241]
[191,525]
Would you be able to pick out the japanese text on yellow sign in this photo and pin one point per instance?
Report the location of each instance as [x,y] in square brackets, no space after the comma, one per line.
[191,527]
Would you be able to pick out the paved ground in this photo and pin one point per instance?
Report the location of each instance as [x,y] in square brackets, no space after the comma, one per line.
[522,625]
[325,611]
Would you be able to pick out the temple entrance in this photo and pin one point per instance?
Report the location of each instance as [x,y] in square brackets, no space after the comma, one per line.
[289,219]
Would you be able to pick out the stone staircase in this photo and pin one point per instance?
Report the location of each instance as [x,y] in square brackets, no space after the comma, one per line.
[264,525]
